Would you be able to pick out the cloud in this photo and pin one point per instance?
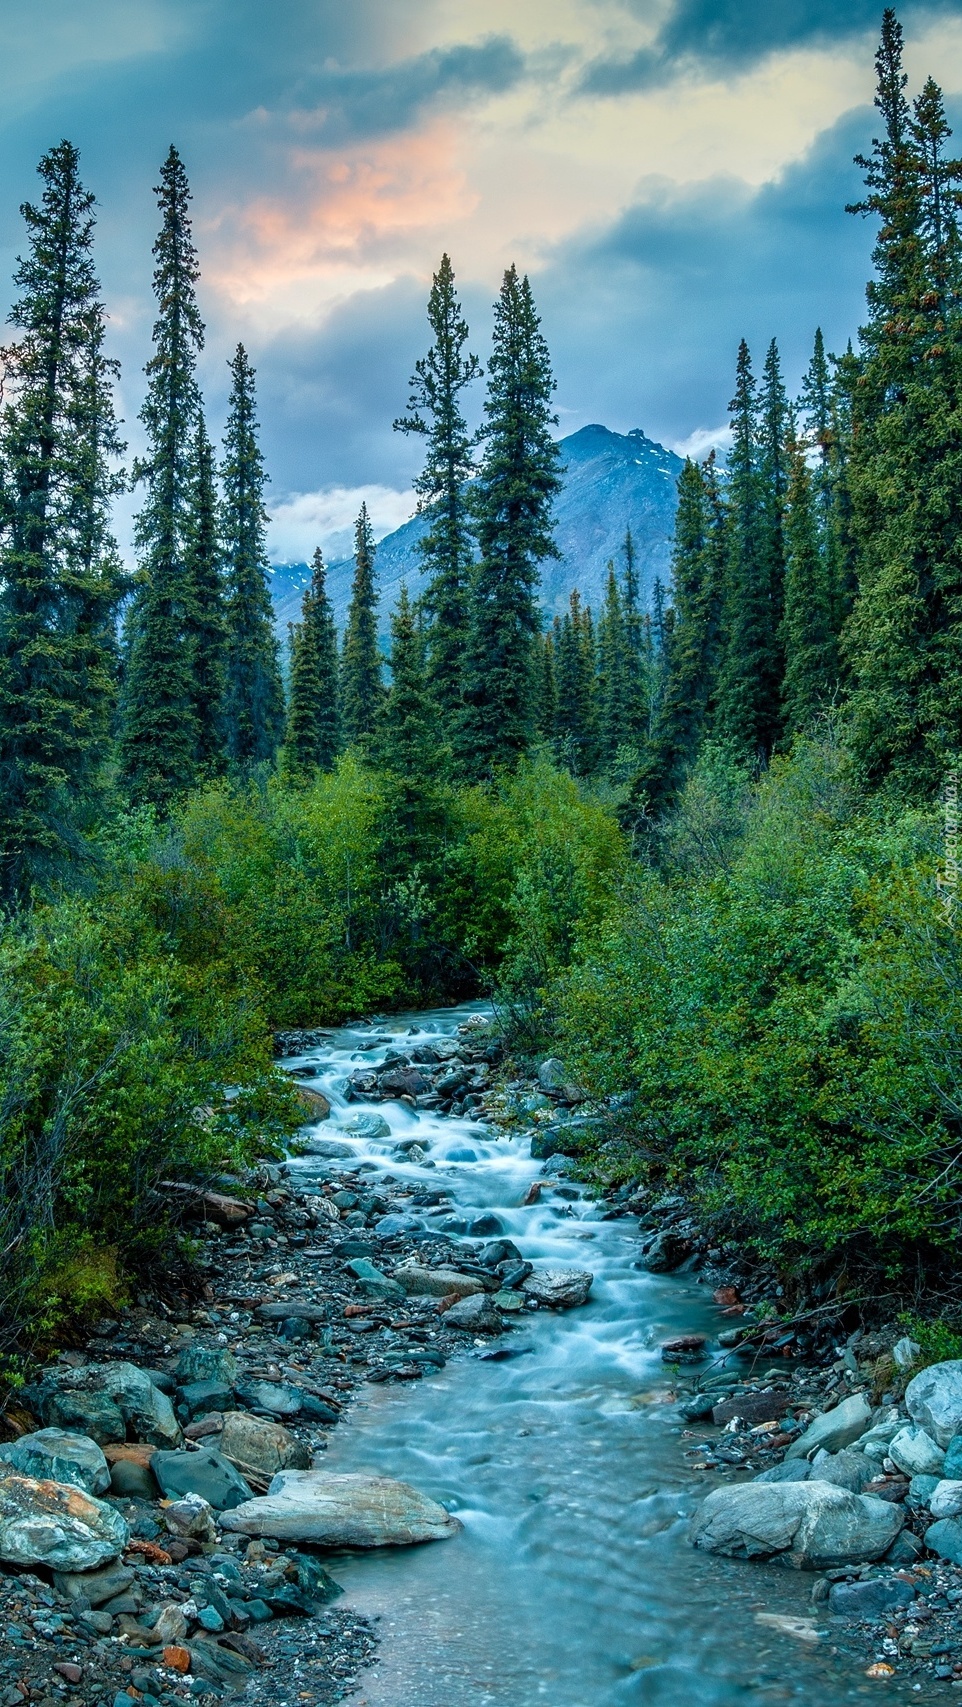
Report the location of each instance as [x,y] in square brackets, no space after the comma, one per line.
[702,440]
[305,520]
[349,103]
[721,36]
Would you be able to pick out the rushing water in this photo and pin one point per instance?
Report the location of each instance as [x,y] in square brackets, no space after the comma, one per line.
[572,1583]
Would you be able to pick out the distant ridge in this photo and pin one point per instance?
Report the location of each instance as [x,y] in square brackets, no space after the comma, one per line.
[612,481]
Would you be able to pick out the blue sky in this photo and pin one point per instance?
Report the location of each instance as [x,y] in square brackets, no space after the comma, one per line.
[672,173]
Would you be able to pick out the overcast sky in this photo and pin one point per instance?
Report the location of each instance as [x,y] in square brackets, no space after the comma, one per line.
[672,173]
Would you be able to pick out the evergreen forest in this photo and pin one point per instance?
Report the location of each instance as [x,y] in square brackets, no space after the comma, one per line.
[692,842]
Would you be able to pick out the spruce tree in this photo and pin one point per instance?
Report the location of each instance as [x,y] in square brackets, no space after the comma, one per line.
[749,679]
[776,429]
[615,724]
[205,616]
[434,410]
[808,633]
[511,503]
[547,688]
[311,740]
[576,727]
[361,673]
[638,651]
[904,638]
[59,577]
[406,748]
[159,736]
[698,570]
[255,695]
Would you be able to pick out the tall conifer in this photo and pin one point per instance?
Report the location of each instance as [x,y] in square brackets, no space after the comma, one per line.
[205,617]
[59,576]
[362,679]
[808,632]
[434,410]
[616,728]
[311,740]
[159,736]
[749,679]
[255,696]
[576,722]
[698,571]
[406,748]
[511,501]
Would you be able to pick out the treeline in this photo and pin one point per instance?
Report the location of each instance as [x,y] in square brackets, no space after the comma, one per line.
[772,1005]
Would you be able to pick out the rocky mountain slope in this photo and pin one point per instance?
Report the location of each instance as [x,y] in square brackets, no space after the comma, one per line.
[612,481]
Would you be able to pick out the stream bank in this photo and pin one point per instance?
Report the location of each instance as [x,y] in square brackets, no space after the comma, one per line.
[558,1445]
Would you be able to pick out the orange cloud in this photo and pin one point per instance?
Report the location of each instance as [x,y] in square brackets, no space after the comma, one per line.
[363,217]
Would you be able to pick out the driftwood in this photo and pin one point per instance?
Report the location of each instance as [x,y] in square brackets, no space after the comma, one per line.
[210,1205]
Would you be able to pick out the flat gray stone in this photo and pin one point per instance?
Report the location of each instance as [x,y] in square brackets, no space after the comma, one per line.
[933,1399]
[95,1586]
[869,1599]
[789,1470]
[55,1455]
[809,1525]
[53,1524]
[342,1511]
[206,1363]
[845,1469]
[271,1396]
[834,1429]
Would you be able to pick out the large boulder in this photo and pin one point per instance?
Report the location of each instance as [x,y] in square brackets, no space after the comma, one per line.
[834,1429]
[109,1400]
[421,1282]
[667,1251]
[205,1472]
[559,1288]
[54,1455]
[206,1363]
[342,1511]
[50,1523]
[915,1452]
[945,1499]
[809,1525]
[934,1400]
[260,1448]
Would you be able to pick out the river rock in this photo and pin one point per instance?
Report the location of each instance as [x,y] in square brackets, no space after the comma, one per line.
[905,1352]
[342,1511]
[54,1455]
[921,1489]
[666,1252]
[263,1448]
[206,1363]
[933,1399]
[835,1428]
[846,1469]
[789,1470]
[200,1397]
[559,1288]
[192,1518]
[329,1147]
[869,1599]
[313,1103]
[366,1125]
[953,1458]
[876,1440]
[50,1523]
[274,1397]
[94,1586]
[476,1315]
[945,1499]
[809,1525]
[915,1452]
[90,1400]
[945,1539]
[372,1281]
[421,1282]
[552,1075]
[205,1472]
[397,1226]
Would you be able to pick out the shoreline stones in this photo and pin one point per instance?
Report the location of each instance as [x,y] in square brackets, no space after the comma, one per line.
[809,1525]
[342,1511]
[50,1523]
[51,1454]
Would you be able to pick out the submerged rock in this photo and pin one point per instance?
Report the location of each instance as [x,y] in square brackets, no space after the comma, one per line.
[810,1525]
[50,1523]
[477,1315]
[342,1511]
